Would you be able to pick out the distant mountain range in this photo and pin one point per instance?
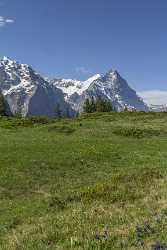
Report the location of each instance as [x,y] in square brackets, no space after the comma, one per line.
[26,90]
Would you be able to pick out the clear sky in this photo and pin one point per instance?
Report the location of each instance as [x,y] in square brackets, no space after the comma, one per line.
[78,38]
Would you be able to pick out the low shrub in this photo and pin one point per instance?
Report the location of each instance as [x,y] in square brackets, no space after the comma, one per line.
[13,122]
[136,132]
[121,188]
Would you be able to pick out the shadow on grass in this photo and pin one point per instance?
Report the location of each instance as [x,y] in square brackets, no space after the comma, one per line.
[61,129]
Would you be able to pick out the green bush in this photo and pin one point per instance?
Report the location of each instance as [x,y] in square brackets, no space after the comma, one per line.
[13,122]
[136,132]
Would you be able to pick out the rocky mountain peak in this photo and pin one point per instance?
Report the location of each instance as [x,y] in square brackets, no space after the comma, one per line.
[24,88]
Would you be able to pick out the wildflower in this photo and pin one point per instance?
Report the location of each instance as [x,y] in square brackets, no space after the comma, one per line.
[158,246]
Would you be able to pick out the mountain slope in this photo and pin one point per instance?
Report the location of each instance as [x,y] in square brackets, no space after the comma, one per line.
[27,92]
[111,87]
[69,86]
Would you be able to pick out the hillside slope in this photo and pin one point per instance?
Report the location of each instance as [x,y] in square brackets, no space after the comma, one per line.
[95,182]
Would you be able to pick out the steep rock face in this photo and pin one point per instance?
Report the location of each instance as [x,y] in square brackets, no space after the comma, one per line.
[27,92]
[44,100]
[111,87]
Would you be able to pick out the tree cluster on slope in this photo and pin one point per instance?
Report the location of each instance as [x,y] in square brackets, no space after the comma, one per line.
[2,105]
[97,105]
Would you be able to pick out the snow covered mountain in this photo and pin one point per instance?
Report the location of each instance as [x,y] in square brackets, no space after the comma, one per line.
[27,92]
[69,86]
[111,87]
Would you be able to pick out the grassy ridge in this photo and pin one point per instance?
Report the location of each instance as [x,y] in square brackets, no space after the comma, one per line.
[96,182]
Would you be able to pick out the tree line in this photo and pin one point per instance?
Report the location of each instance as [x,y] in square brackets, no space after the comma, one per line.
[97,104]
[91,105]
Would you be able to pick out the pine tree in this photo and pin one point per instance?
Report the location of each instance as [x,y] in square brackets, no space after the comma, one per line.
[87,106]
[92,105]
[108,107]
[57,111]
[2,105]
[99,104]
[103,105]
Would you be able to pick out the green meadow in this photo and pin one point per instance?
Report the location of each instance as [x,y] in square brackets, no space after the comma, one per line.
[95,182]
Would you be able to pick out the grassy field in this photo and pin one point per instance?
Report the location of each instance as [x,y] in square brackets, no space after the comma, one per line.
[95,182]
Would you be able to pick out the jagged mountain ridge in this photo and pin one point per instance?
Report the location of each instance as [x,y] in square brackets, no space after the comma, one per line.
[110,86]
[24,88]
[70,86]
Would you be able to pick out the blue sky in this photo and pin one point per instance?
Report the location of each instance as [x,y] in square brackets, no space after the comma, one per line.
[78,38]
